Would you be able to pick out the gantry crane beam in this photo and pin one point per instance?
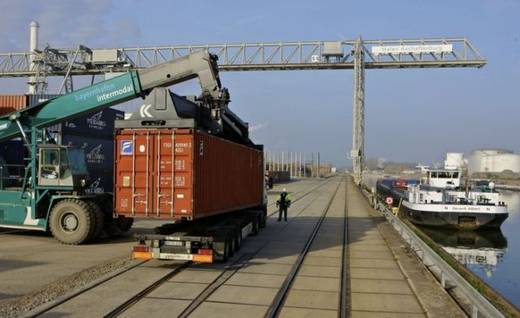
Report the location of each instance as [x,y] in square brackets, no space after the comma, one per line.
[358,55]
[255,57]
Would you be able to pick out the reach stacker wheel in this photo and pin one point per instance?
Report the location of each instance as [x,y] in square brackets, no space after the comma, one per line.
[99,219]
[71,221]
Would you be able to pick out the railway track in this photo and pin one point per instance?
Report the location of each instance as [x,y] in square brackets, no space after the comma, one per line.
[224,276]
[16,231]
[228,271]
[279,300]
[321,184]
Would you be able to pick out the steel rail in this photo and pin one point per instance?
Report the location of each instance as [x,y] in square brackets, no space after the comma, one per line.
[227,273]
[146,291]
[344,304]
[143,293]
[235,267]
[40,310]
[302,196]
[279,299]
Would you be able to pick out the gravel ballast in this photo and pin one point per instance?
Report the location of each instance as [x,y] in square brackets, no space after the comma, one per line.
[19,306]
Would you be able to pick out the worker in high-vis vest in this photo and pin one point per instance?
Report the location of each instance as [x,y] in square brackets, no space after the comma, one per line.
[283,203]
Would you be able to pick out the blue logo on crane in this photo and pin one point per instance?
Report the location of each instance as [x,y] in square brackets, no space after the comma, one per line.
[127,147]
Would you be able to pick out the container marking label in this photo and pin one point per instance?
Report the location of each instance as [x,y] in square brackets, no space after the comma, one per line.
[127,147]
[180,165]
[180,181]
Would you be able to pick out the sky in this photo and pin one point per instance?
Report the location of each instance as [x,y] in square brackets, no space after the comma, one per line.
[411,115]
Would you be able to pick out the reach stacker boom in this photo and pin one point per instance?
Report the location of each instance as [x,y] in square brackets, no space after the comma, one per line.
[46,192]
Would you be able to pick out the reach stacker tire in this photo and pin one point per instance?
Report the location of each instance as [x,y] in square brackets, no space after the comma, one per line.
[72,221]
[99,218]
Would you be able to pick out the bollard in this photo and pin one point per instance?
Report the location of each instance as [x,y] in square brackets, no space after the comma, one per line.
[474,312]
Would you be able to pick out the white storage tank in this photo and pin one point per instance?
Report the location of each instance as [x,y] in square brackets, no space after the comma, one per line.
[454,161]
[493,160]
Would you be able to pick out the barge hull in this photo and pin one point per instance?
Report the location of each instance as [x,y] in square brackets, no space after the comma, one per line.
[456,220]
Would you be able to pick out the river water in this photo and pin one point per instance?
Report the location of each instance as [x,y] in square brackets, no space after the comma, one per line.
[492,255]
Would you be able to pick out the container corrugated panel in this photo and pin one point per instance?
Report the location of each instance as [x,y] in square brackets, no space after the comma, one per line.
[11,103]
[100,123]
[100,181]
[13,151]
[184,174]
[99,152]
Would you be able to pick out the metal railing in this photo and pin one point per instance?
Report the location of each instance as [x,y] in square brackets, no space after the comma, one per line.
[447,276]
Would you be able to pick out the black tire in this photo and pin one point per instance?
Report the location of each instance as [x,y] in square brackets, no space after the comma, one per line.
[263,217]
[220,248]
[110,226]
[124,224]
[231,243]
[226,251]
[99,218]
[111,229]
[72,221]
[238,240]
[255,224]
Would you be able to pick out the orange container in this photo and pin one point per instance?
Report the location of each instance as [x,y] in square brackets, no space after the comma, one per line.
[11,103]
[200,176]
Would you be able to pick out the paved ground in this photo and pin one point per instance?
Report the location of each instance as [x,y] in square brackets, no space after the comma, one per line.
[316,288]
[30,260]
[380,278]
[248,293]
[378,287]
[384,280]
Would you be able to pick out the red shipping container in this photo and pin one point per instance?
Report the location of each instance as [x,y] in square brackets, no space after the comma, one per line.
[11,103]
[202,175]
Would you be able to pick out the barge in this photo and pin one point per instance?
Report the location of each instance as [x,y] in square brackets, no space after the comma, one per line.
[440,201]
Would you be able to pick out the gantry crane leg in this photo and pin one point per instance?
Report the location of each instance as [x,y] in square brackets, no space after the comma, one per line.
[358,112]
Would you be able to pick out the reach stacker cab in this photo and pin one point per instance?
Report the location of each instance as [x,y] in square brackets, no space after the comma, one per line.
[62,166]
[55,199]
[46,191]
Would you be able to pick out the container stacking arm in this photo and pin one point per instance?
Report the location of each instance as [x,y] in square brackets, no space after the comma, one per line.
[133,84]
